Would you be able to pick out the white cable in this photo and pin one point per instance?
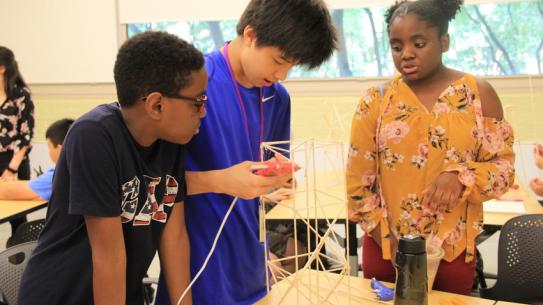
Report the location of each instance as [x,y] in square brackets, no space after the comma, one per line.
[210,251]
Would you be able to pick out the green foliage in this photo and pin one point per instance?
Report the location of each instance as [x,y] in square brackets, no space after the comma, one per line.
[486,39]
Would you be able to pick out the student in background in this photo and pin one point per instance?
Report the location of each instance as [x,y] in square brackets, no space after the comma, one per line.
[41,186]
[119,183]
[427,149]
[247,106]
[16,123]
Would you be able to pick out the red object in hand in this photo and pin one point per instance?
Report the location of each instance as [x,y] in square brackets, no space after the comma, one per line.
[274,167]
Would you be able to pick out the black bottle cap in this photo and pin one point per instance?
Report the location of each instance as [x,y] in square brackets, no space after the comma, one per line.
[412,244]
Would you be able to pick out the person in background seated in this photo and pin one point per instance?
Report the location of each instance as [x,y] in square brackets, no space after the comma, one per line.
[41,186]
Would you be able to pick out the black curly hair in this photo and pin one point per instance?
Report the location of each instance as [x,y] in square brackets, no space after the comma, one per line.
[436,13]
[301,29]
[154,62]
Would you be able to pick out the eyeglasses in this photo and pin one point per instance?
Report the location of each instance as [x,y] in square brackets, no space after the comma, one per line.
[199,101]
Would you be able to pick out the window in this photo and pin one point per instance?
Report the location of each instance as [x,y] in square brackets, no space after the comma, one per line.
[486,39]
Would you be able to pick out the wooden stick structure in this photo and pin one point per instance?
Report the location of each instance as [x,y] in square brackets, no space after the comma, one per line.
[318,203]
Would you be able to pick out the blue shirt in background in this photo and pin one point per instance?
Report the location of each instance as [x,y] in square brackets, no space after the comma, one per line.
[43,184]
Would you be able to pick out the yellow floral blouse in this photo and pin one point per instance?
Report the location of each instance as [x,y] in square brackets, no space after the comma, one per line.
[398,148]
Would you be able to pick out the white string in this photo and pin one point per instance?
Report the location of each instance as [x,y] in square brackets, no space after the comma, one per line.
[210,251]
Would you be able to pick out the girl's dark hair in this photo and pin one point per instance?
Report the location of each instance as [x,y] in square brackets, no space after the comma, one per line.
[13,80]
[301,29]
[436,13]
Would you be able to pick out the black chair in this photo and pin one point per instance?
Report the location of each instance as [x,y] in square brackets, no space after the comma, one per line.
[27,231]
[520,261]
[12,272]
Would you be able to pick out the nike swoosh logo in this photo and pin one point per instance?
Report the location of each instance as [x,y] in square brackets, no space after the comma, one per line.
[265,99]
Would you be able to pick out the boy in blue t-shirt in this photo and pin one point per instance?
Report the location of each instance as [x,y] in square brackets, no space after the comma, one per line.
[247,106]
[119,184]
[41,186]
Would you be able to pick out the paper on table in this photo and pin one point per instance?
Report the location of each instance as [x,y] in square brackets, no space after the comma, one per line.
[504,206]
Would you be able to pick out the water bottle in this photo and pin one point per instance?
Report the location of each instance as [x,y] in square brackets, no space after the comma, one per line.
[411,276]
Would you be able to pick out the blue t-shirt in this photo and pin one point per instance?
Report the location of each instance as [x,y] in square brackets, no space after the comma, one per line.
[102,171]
[236,271]
[43,184]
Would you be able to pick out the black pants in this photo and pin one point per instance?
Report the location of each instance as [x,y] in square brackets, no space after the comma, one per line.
[22,174]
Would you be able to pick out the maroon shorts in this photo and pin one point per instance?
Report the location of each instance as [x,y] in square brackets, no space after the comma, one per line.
[456,276]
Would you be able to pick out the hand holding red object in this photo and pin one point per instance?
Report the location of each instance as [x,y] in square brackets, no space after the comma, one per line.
[275,167]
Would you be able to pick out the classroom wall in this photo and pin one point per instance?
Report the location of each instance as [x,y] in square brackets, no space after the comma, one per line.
[61,41]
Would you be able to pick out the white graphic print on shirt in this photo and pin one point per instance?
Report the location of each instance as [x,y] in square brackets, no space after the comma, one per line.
[131,190]
[150,209]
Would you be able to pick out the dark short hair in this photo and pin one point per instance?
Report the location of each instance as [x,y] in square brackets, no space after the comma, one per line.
[13,80]
[301,29]
[57,131]
[436,13]
[154,62]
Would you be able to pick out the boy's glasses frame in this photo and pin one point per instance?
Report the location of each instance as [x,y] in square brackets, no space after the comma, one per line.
[199,101]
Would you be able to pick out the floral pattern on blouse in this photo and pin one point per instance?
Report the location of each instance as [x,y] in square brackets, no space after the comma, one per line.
[17,122]
[398,148]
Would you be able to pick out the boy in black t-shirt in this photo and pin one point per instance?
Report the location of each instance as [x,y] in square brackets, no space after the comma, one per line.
[119,185]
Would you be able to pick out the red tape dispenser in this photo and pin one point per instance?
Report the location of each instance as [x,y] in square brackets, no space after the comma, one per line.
[275,167]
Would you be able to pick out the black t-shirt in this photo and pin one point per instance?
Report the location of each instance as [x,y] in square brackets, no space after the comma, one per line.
[102,172]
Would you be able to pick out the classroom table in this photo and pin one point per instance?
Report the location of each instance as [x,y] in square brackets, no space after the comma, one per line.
[316,287]
[531,206]
[11,209]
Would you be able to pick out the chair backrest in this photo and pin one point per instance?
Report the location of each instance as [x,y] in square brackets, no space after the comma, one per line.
[12,270]
[27,231]
[520,261]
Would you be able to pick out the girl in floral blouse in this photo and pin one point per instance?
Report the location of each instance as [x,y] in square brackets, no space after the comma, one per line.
[427,148]
[16,122]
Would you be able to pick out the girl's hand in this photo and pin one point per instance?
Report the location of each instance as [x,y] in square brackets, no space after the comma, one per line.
[443,194]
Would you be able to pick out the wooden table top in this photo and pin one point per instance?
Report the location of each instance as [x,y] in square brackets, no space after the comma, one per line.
[531,205]
[316,287]
[10,209]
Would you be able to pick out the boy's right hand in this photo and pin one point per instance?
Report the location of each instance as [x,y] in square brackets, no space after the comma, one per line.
[240,181]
